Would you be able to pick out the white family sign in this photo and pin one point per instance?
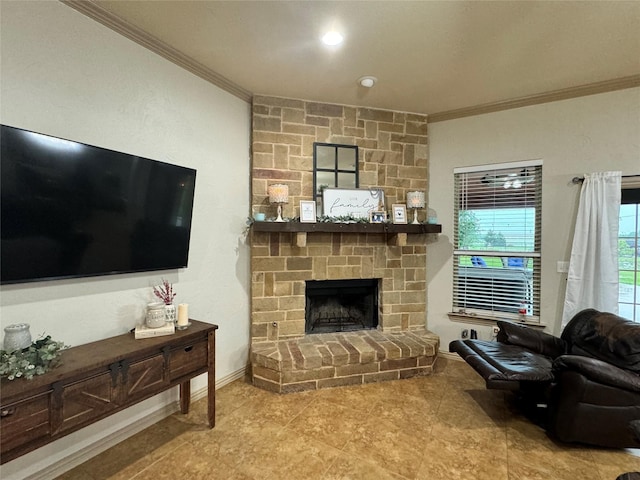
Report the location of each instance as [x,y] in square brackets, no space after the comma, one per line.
[354,202]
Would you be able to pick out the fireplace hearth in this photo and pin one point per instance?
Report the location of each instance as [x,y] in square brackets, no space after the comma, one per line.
[341,305]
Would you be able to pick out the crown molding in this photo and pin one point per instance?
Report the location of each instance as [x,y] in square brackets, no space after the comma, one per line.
[553,96]
[124,28]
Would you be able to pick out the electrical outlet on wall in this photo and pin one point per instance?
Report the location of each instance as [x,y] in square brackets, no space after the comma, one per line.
[494,331]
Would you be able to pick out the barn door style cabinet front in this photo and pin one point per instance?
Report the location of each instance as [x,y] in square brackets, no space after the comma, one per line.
[100,378]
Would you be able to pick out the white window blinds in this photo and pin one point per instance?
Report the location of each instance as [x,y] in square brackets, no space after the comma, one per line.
[497,215]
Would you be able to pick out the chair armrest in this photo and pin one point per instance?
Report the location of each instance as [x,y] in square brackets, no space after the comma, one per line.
[531,339]
[598,371]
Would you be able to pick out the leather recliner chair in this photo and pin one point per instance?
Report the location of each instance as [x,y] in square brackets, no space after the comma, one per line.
[589,377]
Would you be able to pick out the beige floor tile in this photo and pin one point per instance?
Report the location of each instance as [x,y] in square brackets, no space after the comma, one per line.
[78,473]
[348,467]
[414,387]
[415,415]
[185,463]
[328,422]
[462,377]
[541,464]
[434,387]
[446,460]
[235,395]
[472,409]
[482,439]
[453,368]
[358,397]
[287,455]
[233,442]
[611,463]
[525,436]
[443,426]
[442,363]
[388,446]
[271,407]
[136,453]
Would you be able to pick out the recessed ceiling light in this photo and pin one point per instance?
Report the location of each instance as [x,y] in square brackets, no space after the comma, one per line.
[367,81]
[332,38]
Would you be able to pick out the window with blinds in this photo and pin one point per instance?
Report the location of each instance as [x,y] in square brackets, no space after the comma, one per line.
[497,215]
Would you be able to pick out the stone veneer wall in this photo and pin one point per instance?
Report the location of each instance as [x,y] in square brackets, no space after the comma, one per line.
[393,156]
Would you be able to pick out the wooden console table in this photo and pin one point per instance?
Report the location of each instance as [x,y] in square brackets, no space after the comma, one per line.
[98,379]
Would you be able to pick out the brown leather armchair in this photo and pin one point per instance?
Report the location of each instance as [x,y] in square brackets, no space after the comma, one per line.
[589,377]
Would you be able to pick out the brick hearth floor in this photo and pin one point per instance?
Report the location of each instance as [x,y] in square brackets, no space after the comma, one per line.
[338,359]
[442,426]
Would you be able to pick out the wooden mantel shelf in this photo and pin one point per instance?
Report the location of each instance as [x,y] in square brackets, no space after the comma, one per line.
[327,227]
[398,231]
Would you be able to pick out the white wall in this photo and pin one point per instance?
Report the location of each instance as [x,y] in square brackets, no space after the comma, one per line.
[66,75]
[582,135]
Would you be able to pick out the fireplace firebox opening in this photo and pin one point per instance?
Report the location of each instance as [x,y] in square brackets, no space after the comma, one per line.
[341,305]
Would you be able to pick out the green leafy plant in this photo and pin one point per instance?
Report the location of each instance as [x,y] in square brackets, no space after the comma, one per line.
[342,219]
[36,359]
[468,229]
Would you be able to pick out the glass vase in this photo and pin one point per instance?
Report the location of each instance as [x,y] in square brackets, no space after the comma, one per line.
[16,337]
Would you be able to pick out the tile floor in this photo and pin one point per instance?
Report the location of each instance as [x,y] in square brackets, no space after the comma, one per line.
[445,426]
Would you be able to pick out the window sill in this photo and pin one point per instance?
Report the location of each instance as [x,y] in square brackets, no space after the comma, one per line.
[478,319]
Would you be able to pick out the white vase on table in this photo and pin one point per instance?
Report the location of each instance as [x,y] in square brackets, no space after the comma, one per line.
[16,337]
[170,313]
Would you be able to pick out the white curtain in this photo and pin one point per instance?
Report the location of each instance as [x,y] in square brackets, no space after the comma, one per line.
[592,281]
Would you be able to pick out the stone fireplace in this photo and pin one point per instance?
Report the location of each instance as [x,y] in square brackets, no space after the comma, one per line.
[393,155]
[341,305]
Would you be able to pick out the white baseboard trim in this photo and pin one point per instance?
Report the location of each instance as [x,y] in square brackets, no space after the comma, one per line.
[85,453]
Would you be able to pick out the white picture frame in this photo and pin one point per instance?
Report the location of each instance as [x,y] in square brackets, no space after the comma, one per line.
[352,202]
[307,211]
[399,213]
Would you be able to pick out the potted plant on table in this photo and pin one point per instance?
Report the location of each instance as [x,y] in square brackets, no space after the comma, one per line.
[166,294]
[35,359]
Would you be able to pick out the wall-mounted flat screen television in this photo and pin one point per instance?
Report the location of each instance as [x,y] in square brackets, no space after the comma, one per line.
[74,210]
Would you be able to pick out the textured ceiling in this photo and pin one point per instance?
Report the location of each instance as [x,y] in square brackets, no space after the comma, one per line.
[428,56]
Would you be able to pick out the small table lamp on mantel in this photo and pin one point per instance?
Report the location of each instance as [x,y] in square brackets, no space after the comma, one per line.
[279,194]
[415,200]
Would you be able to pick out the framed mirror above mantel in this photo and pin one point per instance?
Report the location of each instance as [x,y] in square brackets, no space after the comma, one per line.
[334,166]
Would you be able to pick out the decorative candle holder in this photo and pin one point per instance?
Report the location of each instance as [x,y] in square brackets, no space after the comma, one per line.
[279,195]
[415,200]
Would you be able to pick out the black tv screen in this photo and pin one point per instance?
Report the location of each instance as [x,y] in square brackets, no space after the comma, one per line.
[75,210]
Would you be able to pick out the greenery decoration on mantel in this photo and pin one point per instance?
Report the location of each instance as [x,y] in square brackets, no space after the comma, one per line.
[343,219]
[38,358]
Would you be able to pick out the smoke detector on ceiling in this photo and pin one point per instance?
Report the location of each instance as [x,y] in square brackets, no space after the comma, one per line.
[367,81]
